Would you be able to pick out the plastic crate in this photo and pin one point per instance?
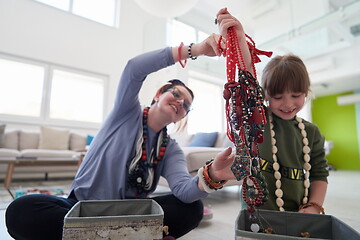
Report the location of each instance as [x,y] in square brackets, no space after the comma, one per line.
[120,219]
[290,225]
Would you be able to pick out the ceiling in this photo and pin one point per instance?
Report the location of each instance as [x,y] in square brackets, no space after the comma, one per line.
[324,33]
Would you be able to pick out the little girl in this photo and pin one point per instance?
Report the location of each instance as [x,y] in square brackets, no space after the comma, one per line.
[293,156]
[293,152]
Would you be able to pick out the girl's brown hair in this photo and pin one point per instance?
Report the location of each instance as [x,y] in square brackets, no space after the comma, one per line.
[285,73]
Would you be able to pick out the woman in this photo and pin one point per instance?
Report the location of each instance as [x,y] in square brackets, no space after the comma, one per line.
[130,153]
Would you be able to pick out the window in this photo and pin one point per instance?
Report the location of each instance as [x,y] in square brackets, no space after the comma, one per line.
[76,97]
[61,4]
[102,11]
[178,32]
[33,91]
[21,88]
[208,106]
[207,114]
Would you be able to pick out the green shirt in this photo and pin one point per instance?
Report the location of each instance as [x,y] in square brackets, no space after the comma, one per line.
[290,156]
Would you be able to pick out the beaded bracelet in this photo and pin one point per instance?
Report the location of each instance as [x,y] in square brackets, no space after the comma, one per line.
[189,52]
[179,55]
[202,181]
[310,204]
[211,183]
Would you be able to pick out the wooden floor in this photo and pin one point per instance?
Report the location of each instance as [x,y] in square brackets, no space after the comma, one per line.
[343,198]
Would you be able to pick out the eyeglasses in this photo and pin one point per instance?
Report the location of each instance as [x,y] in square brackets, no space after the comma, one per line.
[177,94]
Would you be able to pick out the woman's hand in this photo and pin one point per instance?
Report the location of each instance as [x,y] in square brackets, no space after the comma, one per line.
[220,169]
[209,47]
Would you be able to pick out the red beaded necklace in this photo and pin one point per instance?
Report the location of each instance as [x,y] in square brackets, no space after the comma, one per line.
[162,148]
[245,121]
[141,169]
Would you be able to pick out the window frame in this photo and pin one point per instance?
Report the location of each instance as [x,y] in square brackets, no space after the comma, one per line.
[44,117]
[70,10]
[199,73]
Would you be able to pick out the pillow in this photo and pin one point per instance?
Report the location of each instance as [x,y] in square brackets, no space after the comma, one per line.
[12,140]
[28,140]
[2,135]
[77,141]
[56,139]
[203,140]
[89,139]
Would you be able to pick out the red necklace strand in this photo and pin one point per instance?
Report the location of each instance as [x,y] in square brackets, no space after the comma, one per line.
[142,170]
[245,122]
[162,148]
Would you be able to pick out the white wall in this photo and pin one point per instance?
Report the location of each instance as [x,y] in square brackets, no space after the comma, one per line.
[43,33]
[39,32]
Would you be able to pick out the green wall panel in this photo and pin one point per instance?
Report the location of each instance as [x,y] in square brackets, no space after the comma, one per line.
[338,124]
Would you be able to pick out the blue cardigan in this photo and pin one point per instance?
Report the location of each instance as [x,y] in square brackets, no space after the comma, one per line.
[104,172]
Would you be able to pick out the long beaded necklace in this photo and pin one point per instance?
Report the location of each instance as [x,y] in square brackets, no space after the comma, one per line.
[141,164]
[276,166]
[245,123]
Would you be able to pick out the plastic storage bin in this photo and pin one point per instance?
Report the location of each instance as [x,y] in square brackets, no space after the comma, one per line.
[290,225]
[110,220]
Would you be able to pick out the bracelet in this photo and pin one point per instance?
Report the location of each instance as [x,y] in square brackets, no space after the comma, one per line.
[211,183]
[202,181]
[189,52]
[179,55]
[310,204]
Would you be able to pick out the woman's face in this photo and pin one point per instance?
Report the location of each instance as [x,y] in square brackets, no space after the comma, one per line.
[287,104]
[176,101]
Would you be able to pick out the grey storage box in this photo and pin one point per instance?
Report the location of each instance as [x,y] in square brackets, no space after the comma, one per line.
[120,219]
[290,225]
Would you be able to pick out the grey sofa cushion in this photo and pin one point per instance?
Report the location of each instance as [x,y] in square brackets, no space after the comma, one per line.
[28,140]
[2,135]
[48,153]
[196,157]
[53,138]
[77,142]
[12,140]
[9,153]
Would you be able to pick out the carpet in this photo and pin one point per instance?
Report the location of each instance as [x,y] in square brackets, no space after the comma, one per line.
[17,189]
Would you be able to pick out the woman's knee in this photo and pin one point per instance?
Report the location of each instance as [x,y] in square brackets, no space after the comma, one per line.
[30,214]
[198,211]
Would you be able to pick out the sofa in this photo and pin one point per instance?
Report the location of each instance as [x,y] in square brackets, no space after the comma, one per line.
[60,151]
[55,150]
[201,147]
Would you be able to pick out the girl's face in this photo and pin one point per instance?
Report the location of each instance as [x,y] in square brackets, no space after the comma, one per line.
[287,104]
[176,101]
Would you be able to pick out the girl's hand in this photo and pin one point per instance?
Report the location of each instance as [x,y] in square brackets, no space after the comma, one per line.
[226,20]
[311,209]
